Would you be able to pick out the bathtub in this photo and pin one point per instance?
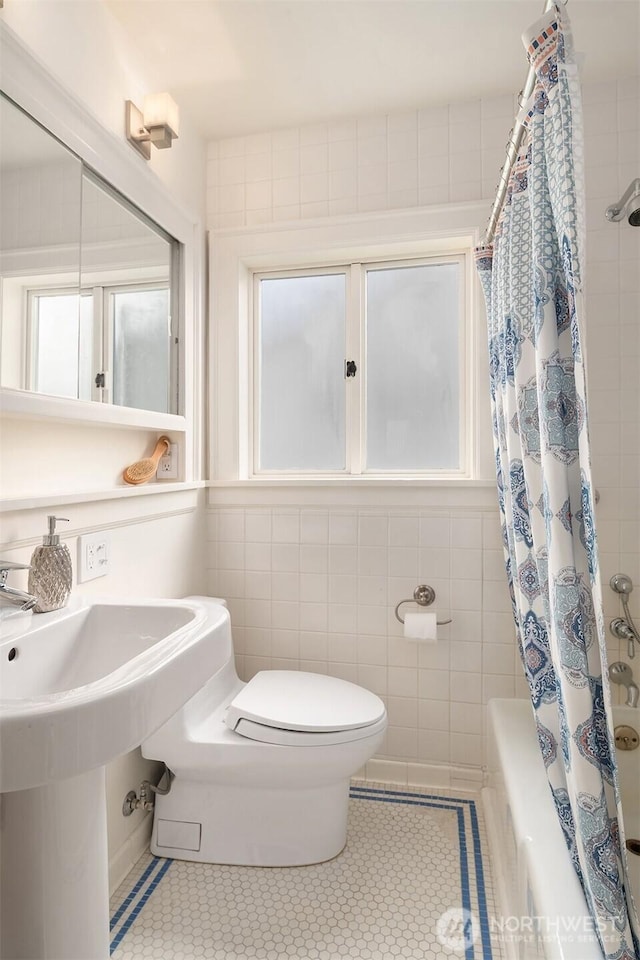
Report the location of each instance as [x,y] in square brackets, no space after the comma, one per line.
[542,912]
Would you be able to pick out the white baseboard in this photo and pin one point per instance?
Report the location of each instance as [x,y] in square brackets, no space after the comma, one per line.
[423,775]
[129,853]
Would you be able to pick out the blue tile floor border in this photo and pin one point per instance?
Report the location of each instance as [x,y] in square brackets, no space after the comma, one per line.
[472,873]
[138,904]
[459,805]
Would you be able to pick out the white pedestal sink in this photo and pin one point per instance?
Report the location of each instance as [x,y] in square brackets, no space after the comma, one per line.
[79,687]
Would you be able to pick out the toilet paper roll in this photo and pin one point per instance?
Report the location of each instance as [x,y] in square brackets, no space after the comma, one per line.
[421,627]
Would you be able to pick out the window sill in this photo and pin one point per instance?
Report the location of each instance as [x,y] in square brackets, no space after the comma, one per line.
[393,480]
[355,492]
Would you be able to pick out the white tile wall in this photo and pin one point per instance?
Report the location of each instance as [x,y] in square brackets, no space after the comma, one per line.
[419,157]
[319,595]
[40,207]
[27,221]
[612,154]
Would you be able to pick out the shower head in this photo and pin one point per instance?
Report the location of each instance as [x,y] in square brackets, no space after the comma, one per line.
[629,204]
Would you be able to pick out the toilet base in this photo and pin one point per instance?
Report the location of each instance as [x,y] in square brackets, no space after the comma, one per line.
[241,825]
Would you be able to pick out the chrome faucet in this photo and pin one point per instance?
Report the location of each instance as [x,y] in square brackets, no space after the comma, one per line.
[11,596]
[621,673]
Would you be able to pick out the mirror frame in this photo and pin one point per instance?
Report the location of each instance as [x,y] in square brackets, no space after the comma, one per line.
[25,81]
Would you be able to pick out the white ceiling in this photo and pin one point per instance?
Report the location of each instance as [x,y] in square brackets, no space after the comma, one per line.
[243,66]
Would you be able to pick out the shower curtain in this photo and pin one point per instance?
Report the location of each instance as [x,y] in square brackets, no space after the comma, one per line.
[532,278]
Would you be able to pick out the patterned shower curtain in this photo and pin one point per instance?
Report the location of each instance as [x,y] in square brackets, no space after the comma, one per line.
[533,283]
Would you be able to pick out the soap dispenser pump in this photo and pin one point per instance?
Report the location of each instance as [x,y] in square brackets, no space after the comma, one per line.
[50,575]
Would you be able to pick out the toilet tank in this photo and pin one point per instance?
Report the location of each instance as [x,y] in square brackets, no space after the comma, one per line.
[220,687]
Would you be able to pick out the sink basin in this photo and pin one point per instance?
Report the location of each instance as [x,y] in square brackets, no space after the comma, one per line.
[79,687]
[82,685]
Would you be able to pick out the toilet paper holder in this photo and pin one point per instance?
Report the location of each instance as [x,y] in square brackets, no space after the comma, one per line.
[424,595]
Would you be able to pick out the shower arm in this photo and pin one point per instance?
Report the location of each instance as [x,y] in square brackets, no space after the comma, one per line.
[624,629]
[617,210]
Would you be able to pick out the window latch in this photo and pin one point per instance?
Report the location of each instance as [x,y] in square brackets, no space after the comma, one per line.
[100,380]
[350,368]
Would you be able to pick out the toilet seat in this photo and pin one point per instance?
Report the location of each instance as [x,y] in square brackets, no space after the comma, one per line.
[295,708]
[295,738]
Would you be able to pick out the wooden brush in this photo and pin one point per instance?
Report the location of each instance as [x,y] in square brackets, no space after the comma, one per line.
[143,470]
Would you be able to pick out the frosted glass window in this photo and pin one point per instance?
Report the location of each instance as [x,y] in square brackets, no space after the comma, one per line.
[141,347]
[301,362]
[412,368]
[63,348]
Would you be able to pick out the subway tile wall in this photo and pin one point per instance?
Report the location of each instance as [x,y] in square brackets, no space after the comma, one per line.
[315,589]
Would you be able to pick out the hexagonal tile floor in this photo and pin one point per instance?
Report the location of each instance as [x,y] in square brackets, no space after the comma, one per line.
[410,884]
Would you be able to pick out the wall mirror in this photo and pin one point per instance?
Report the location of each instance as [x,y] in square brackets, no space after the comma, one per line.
[88,283]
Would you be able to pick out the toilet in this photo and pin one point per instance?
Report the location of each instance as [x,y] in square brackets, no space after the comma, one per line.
[262,769]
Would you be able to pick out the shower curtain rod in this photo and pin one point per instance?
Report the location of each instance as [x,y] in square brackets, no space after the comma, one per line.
[513,146]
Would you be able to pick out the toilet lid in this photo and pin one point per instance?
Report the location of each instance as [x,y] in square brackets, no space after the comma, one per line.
[310,702]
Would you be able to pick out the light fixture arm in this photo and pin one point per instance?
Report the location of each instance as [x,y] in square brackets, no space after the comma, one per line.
[137,134]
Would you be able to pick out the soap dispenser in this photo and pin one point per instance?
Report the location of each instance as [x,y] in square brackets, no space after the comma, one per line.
[50,574]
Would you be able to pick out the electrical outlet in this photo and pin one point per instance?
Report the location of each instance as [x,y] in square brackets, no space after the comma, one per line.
[93,556]
[168,465]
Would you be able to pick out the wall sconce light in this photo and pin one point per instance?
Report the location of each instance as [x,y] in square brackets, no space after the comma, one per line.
[157,123]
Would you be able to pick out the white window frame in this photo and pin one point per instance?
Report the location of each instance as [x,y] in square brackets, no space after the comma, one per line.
[103,328]
[236,253]
[33,294]
[108,331]
[355,272]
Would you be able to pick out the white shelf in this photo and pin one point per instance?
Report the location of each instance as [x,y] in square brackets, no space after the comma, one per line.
[88,496]
[36,406]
